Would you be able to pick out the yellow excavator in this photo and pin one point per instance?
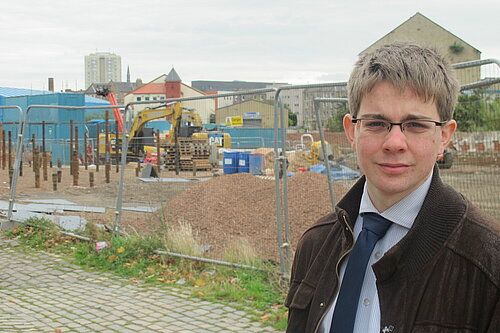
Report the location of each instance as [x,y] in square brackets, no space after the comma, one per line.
[315,149]
[183,123]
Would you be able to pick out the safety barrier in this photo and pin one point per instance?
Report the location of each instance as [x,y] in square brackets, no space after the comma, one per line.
[290,205]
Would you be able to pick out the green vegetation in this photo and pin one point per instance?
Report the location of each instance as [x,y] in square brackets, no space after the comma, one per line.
[292,119]
[477,113]
[335,123]
[95,115]
[258,292]
[456,48]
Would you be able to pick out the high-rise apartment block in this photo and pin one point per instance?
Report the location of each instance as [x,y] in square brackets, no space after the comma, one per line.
[102,67]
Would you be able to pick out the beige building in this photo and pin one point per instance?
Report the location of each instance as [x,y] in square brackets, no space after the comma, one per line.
[102,67]
[421,30]
[251,111]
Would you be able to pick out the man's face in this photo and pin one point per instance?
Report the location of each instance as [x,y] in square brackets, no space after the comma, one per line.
[394,164]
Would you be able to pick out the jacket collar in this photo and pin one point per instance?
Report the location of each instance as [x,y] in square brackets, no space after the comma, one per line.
[351,202]
[441,212]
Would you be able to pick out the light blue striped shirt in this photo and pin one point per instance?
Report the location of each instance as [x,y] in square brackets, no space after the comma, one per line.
[402,214]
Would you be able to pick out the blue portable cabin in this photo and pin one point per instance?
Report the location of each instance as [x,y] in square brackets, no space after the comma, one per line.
[91,127]
[57,128]
[251,137]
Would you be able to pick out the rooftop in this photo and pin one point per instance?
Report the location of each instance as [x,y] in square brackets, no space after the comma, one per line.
[17,92]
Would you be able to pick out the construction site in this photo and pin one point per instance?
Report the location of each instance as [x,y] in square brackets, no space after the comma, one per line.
[253,173]
[226,188]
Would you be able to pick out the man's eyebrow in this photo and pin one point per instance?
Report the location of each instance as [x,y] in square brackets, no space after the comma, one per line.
[416,117]
[379,116]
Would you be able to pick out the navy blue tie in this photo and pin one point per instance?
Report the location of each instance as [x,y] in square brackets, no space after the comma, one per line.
[344,315]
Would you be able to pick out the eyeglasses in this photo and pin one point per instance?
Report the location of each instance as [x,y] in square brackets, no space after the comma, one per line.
[411,128]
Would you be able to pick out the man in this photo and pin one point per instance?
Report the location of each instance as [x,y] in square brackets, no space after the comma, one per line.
[433,264]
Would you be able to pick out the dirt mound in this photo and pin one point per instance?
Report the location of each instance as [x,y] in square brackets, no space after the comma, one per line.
[243,205]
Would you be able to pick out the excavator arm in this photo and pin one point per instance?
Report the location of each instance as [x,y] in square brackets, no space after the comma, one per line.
[144,116]
[106,92]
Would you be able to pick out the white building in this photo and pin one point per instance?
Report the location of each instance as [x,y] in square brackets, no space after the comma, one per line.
[102,67]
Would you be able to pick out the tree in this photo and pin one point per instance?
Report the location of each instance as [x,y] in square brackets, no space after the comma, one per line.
[292,119]
[477,112]
[95,115]
[335,122]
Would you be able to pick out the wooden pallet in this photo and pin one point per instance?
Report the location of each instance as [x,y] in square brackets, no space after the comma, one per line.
[190,150]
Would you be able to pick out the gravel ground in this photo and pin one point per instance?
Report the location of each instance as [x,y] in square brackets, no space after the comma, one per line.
[230,207]
[224,209]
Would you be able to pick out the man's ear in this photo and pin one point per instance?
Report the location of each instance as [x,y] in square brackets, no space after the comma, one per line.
[447,132]
[349,130]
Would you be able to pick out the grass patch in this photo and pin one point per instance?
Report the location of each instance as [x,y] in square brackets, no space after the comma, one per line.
[240,250]
[258,292]
[180,238]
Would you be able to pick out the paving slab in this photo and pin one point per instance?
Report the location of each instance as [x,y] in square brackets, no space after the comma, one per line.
[44,292]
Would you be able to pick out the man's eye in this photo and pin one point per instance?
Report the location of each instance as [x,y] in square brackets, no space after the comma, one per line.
[417,125]
[375,124]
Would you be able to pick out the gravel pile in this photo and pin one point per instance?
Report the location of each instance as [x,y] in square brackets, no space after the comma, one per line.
[227,207]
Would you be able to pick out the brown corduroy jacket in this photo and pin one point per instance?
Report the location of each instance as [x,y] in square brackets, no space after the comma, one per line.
[443,276]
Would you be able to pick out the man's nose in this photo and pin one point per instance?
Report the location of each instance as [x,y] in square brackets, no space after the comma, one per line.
[395,139]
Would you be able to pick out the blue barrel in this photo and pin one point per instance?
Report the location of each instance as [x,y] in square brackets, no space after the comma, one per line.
[256,162]
[230,162]
[244,163]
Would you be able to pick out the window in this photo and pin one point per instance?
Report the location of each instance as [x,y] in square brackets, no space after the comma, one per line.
[138,99]
[146,98]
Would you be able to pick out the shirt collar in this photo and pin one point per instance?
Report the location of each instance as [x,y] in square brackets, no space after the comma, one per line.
[405,210]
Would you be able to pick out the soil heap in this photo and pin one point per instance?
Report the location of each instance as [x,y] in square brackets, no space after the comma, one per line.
[227,207]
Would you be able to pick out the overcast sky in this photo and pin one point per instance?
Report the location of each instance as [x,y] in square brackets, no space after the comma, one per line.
[294,41]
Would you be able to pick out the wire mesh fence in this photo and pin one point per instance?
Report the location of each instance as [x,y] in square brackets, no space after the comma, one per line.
[236,201]
[473,165]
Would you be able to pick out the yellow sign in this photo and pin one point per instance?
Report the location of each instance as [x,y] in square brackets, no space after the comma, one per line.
[234,121]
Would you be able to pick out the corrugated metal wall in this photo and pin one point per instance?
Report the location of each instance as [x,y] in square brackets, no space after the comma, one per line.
[251,137]
[57,130]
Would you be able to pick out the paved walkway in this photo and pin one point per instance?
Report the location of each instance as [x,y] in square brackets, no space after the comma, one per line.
[42,292]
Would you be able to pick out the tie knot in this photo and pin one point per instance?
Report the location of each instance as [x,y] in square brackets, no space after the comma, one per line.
[376,223]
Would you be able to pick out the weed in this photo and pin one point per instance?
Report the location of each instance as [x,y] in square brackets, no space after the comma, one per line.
[258,292]
[96,233]
[43,234]
[241,251]
[180,238]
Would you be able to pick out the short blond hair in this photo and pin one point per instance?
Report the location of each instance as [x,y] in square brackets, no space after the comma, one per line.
[405,65]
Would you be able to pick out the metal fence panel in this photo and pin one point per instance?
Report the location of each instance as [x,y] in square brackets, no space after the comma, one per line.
[270,184]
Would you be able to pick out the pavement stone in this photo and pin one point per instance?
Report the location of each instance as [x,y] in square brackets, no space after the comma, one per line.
[42,292]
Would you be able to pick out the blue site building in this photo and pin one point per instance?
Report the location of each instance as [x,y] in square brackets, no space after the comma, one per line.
[57,121]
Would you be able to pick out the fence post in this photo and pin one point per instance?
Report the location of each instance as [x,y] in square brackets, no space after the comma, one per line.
[71,146]
[97,155]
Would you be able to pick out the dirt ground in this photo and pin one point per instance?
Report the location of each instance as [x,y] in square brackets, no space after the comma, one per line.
[223,209]
[136,193]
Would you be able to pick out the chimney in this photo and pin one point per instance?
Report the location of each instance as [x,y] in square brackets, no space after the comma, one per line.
[51,84]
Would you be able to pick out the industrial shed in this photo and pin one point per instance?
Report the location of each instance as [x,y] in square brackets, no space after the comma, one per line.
[57,121]
[249,111]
